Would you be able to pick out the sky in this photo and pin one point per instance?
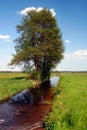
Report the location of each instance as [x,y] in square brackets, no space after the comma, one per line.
[71,18]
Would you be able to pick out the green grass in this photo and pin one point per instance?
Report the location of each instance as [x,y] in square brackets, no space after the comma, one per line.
[11,75]
[70,103]
[12,83]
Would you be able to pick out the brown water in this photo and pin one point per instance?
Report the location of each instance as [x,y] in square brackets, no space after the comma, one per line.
[28,113]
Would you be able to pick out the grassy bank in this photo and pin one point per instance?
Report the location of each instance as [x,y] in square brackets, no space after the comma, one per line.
[12,83]
[70,103]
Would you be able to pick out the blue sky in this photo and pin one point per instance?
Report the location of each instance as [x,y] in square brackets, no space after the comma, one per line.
[71,16]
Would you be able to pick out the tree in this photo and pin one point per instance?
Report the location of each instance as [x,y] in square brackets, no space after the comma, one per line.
[40,43]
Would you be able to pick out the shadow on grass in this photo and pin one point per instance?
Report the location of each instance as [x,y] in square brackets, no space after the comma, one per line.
[18,78]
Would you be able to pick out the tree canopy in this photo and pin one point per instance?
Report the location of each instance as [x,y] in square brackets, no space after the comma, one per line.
[39,44]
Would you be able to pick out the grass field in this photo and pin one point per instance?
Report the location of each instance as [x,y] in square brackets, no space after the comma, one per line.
[69,111]
[70,103]
[12,83]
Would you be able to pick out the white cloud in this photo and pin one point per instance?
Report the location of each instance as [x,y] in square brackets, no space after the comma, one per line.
[81,52]
[67,41]
[24,12]
[53,12]
[77,55]
[75,61]
[5,60]
[39,9]
[6,38]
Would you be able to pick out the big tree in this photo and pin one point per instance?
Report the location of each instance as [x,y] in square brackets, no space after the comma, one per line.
[39,44]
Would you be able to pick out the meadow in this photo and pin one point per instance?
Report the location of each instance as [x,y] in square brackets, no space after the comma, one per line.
[12,83]
[69,110]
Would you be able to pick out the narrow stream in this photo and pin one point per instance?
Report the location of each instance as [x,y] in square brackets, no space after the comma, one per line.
[26,110]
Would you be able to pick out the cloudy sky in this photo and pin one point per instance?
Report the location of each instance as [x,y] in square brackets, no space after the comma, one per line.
[71,16]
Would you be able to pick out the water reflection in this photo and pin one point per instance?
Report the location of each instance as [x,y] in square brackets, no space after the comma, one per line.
[28,95]
[54,81]
[27,109]
[23,97]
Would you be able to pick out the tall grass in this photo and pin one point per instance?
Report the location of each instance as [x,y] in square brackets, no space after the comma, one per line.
[70,106]
[12,83]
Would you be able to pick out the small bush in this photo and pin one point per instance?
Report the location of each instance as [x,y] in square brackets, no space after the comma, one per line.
[34,75]
[49,123]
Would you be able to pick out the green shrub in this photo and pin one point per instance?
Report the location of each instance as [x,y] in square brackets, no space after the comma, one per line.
[49,123]
[34,75]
